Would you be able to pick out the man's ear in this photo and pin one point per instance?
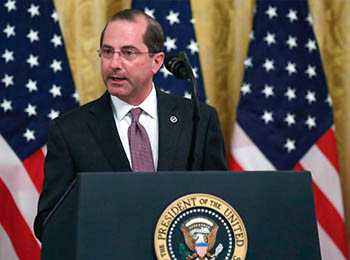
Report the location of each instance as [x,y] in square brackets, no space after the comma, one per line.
[158,60]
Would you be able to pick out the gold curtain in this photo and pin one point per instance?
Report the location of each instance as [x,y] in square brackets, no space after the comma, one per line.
[222,29]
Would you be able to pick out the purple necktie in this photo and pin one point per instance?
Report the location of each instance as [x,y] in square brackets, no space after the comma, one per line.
[140,147]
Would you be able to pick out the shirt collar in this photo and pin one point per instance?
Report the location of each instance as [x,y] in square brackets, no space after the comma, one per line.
[149,105]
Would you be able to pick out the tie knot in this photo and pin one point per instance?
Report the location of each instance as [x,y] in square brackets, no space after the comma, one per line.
[135,114]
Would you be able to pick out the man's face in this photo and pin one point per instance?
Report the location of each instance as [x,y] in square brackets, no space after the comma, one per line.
[128,79]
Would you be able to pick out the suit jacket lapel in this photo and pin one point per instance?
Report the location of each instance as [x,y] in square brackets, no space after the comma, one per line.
[103,127]
[169,130]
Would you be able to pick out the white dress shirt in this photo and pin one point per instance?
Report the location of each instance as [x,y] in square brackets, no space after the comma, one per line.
[148,118]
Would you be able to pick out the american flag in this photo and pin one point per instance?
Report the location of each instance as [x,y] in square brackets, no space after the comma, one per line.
[284,117]
[177,22]
[36,86]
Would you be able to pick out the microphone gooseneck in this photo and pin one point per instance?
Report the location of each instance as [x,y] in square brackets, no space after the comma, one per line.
[181,68]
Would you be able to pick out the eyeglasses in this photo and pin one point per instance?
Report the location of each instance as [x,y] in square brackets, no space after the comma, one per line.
[127,54]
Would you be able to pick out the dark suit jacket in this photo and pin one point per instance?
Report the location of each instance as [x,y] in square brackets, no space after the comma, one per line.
[86,140]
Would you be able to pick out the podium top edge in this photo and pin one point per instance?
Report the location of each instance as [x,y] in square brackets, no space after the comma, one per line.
[162,173]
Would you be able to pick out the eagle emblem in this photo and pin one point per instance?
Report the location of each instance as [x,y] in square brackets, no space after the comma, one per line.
[200,237]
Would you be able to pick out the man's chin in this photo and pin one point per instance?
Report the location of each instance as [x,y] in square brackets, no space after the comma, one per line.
[118,92]
[115,93]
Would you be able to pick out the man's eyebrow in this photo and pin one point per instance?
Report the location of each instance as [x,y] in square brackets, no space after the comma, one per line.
[123,47]
[107,46]
[129,47]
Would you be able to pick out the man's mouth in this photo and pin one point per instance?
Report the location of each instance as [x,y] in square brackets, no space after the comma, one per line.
[117,78]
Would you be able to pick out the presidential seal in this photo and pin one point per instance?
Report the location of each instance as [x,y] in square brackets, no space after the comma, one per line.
[200,227]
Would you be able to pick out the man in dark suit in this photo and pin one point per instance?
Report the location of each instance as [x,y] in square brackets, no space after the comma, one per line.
[96,137]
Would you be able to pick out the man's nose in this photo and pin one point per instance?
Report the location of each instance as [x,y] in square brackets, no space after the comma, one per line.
[116,61]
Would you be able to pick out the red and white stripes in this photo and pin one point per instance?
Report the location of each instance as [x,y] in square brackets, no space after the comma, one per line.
[20,185]
[321,160]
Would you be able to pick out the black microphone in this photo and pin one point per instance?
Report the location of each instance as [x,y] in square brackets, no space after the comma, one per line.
[176,65]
